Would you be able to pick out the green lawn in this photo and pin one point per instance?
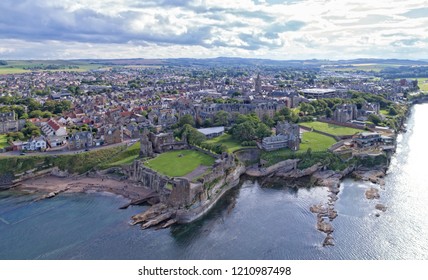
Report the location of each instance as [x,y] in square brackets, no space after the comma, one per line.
[179,163]
[124,157]
[3,141]
[331,128]
[17,66]
[317,142]
[227,140]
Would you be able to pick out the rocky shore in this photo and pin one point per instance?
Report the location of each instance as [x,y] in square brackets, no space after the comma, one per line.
[49,186]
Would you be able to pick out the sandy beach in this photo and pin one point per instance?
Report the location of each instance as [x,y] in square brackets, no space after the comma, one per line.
[50,184]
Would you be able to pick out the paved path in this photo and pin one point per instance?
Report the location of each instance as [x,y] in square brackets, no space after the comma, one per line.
[197,172]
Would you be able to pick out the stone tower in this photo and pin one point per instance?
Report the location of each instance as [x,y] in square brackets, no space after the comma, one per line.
[146,147]
[258,84]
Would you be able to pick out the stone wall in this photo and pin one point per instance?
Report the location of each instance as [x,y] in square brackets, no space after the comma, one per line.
[179,192]
[351,125]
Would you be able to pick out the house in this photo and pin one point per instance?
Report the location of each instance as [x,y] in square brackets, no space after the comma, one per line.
[56,141]
[53,128]
[34,144]
[212,132]
[80,140]
[113,135]
[366,139]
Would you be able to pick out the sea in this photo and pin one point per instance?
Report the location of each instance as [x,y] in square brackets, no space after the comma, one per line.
[250,222]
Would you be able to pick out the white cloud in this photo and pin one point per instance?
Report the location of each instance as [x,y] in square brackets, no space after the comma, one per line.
[202,28]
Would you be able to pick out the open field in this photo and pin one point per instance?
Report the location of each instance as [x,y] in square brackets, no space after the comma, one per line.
[227,140]
[125,157]
[317,142]
[331,128]
[3,141]
[423,84]
[19,66]
[362,67]
[179,163]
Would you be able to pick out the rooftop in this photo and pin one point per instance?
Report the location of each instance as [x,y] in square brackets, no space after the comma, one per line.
[211,130]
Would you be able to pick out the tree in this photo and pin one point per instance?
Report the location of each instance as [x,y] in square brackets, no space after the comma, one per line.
[186,119]
[328,112]
[262,131]
[194,137]
[268,120]
[374,119]
[393,111]
[244,131]
[221,118]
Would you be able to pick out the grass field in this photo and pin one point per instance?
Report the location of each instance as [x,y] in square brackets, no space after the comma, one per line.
[331,128]
[17,66]
[423,84]
[227,140]
[3,141]
[125,157]
[317,142]
[179,163]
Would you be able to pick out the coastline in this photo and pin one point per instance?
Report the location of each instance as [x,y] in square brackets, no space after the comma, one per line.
[49,186]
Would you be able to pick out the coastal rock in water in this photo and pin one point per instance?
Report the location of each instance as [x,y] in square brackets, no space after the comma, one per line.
[328,241]
[324,226]
[169,223]
[332,214]
[318,209]
[152,212]
[372,193]
[333,197]
[159,219]
[380,207]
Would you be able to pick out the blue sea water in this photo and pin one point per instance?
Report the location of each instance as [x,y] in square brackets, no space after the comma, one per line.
[250,222]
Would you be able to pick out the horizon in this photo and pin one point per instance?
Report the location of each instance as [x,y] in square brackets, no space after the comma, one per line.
[224,57]
[162,29]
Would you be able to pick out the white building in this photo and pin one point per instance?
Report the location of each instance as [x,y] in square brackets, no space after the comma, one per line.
[53,128]
[34,144]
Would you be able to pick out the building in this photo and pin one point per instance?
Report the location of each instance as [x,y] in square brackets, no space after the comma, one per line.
[53,128]
[370,108]
[212,132]
[366,139]
[34,144]
[80,140]
[113,135]
[345,113]
[56,141]
[159,143]
[318,93]
[258,84]
[287,136]
[9,122]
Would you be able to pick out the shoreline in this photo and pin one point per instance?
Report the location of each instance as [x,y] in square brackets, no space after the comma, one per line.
[49,186]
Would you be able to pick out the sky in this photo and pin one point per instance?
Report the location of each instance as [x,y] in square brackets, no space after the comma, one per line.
[274,29]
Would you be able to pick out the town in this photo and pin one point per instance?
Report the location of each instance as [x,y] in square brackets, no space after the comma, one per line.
[74,111]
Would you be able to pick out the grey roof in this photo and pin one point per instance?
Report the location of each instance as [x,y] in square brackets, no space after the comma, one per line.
[211,130]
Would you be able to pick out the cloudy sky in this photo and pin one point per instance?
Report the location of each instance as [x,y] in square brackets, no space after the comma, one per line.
[277,29]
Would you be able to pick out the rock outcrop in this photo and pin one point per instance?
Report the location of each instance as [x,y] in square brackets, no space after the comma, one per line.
[380,207]
[372,193]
